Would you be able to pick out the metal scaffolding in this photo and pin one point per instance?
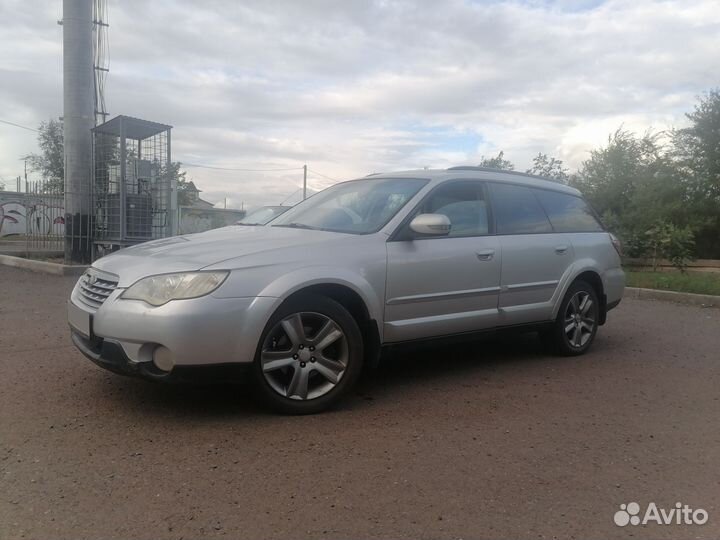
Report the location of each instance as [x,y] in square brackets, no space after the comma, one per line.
[134,191]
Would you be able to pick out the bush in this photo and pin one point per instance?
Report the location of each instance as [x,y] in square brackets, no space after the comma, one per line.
[664,241]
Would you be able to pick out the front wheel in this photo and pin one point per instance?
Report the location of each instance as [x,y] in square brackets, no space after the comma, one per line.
[309,355]
[576,324]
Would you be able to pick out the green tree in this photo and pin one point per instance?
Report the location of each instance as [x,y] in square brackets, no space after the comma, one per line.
[50,162]
[634,184]
[697,154]
[609,177]
[628,171]
[497,162]
[550,168]
[665,240]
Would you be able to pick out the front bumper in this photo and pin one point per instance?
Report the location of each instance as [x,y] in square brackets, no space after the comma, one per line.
[111,356]
[122,335]
[198,331]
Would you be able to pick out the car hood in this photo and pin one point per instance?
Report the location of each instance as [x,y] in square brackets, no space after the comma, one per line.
[212,248]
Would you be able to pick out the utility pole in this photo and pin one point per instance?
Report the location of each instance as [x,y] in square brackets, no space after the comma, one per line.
[78,121]
[304,182]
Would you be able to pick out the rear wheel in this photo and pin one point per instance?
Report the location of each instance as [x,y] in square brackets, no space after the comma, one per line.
[309,356]
[576,324]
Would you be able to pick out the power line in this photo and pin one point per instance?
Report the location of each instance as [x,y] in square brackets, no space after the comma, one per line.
[18,125]
[323,175]
[101,65]
[290,196]
[199,166]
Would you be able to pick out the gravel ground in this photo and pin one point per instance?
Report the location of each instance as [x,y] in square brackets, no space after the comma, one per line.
[489,440]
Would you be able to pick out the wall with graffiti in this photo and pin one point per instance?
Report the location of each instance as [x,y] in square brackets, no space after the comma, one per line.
[31,214]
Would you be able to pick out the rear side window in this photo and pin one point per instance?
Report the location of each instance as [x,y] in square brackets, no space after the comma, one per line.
[568,213]
[517,210]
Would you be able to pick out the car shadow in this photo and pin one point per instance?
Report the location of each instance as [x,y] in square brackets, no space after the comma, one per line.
[400,370]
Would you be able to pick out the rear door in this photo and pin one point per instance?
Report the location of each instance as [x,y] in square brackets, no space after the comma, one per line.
[444,285]
[534,257]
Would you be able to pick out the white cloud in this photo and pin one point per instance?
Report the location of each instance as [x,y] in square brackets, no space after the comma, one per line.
[357,87]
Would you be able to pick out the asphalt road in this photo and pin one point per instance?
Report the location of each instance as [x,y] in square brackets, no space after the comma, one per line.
[489,440]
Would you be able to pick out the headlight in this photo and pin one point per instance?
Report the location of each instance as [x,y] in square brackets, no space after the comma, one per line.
[159,290]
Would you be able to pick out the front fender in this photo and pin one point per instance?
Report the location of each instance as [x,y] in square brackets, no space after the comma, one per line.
[292,282]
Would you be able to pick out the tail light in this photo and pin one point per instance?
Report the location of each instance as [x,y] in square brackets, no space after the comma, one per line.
[616,244]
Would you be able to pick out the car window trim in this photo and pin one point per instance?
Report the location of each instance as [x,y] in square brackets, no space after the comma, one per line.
[482,184]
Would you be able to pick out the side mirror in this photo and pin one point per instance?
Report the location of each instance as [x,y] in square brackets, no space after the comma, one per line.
[431,225]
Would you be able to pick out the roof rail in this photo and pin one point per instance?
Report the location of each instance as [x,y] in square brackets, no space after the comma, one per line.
[491,169]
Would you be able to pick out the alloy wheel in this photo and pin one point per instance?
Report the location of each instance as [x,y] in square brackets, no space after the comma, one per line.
[304,356]
[580,319]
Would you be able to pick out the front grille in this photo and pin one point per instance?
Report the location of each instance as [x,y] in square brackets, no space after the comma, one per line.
[94,288]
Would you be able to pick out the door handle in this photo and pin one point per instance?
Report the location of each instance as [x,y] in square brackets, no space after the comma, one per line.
[485,255]
[562,249]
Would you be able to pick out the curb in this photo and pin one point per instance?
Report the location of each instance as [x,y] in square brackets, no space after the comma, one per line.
[42,266]
[703,300]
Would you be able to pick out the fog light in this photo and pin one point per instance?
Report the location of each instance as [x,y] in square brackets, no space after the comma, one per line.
[163,358]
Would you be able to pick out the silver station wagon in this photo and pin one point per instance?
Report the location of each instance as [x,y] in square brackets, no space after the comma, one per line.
[309,299]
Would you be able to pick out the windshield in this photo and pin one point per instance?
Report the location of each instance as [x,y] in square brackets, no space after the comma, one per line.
[357,207]
[263,215]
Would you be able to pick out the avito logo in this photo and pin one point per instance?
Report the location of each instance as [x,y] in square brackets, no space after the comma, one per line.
[629,514]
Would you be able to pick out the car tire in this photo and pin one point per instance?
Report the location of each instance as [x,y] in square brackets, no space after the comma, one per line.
[573,331]
[309,355]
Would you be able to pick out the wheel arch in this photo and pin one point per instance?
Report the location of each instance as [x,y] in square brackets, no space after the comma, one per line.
[592,277]
[351,291]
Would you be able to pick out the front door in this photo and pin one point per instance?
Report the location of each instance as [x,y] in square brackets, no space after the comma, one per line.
[439,286]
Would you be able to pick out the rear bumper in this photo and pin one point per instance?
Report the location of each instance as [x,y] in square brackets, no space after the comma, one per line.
[111,356]
[614,284]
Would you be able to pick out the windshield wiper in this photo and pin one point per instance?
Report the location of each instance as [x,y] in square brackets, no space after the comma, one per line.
[295,225]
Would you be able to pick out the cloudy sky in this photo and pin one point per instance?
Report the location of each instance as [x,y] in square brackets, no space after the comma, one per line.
[357,86]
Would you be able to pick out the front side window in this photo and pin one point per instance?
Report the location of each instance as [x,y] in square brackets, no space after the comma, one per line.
[517,210]
[568,213]
[464,205]
[356,207]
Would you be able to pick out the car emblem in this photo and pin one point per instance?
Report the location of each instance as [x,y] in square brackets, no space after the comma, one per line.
[91,279]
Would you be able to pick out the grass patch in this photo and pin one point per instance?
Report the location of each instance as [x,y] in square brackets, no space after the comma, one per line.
[691,282]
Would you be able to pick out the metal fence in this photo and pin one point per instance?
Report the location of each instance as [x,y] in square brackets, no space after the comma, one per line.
[132,181]
[32,221]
